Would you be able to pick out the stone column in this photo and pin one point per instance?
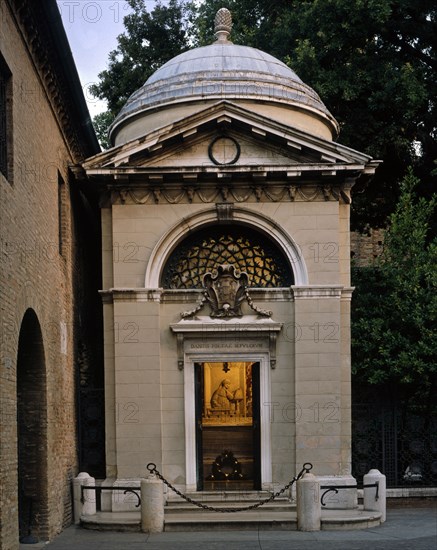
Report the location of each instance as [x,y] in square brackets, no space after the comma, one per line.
[308,503]
[110,335]
[88,507]
[346,385]
[372,503]
[152,505]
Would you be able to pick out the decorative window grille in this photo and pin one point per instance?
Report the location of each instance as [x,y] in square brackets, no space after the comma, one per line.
[245,249]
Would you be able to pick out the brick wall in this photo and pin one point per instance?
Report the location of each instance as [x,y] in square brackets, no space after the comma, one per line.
[37,276]
[366,248]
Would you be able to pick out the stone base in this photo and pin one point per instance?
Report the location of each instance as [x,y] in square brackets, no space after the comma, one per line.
[257,520]
[122,502]
[345,499]
[106,496]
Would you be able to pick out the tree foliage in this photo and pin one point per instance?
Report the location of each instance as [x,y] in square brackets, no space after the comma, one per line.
[394,337]
[101,123]
[150,39]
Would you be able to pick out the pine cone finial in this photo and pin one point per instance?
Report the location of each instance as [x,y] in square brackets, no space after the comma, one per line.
[223,25]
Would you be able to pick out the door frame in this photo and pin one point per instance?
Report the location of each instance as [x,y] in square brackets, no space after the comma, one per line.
[199,377]
[190,410]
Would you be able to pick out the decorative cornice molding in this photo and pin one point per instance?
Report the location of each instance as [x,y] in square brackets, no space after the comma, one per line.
[183,296]
[131,295]
[44,36]
[206,327]
[207,194]
[346,293]
[304,151]
[317,291]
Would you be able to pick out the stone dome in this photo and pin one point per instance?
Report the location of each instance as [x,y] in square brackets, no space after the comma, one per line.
[222,71]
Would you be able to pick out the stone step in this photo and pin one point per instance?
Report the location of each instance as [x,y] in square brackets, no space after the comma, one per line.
[247,521]
[227,500]
[112,521]
[339,520]
[186,507]
[255,519]
[224,498]
[349,520]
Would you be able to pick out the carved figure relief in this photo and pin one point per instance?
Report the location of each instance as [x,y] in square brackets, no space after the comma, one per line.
[222,397]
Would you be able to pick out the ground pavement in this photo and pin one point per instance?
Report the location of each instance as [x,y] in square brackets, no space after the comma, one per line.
[410,528]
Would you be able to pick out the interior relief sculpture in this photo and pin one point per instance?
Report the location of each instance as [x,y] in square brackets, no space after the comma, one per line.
[231,401]
[229,450]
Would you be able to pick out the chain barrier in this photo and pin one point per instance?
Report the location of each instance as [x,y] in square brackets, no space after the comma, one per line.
[307,467]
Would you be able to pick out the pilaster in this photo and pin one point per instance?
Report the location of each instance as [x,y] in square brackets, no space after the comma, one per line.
[318,379]
[135,402]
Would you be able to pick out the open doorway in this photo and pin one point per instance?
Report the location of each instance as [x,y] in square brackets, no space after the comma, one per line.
[228,426]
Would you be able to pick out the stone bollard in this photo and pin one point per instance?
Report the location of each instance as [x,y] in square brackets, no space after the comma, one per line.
[308,503]
[152,505]
[370,501]
[88,506]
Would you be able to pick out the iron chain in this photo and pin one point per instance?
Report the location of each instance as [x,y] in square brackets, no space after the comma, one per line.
[153,470]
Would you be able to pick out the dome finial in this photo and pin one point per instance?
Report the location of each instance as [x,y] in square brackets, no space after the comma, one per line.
[223,26]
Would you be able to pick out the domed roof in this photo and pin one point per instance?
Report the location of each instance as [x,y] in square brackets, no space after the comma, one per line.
[223,70]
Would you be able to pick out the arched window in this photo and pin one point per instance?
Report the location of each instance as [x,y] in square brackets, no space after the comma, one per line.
[246,249]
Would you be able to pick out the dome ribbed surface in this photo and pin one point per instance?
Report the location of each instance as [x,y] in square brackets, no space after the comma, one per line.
[222,71]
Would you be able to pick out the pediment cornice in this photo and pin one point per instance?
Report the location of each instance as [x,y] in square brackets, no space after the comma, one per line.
[304,154]
[171,165]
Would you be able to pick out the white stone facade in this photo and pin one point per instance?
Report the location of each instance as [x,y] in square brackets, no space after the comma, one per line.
[223,166]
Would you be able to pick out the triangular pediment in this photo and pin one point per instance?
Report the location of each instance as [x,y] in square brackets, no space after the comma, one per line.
[225,149]
[225,136]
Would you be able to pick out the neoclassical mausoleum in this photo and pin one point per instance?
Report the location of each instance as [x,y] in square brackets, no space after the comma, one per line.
[225,204]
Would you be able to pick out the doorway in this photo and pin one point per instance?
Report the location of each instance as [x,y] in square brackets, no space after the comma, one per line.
[228,430]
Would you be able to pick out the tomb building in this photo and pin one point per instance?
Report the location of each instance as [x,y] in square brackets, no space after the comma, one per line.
[225,204]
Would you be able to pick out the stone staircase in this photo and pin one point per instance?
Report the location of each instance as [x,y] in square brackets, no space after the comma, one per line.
[183,516]
[277,515]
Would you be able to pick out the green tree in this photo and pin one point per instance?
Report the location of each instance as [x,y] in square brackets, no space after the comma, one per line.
[150,39]
[394,337]
[373,62]
[101,123]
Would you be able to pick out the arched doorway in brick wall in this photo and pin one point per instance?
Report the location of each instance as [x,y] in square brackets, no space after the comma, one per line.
[32,429]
